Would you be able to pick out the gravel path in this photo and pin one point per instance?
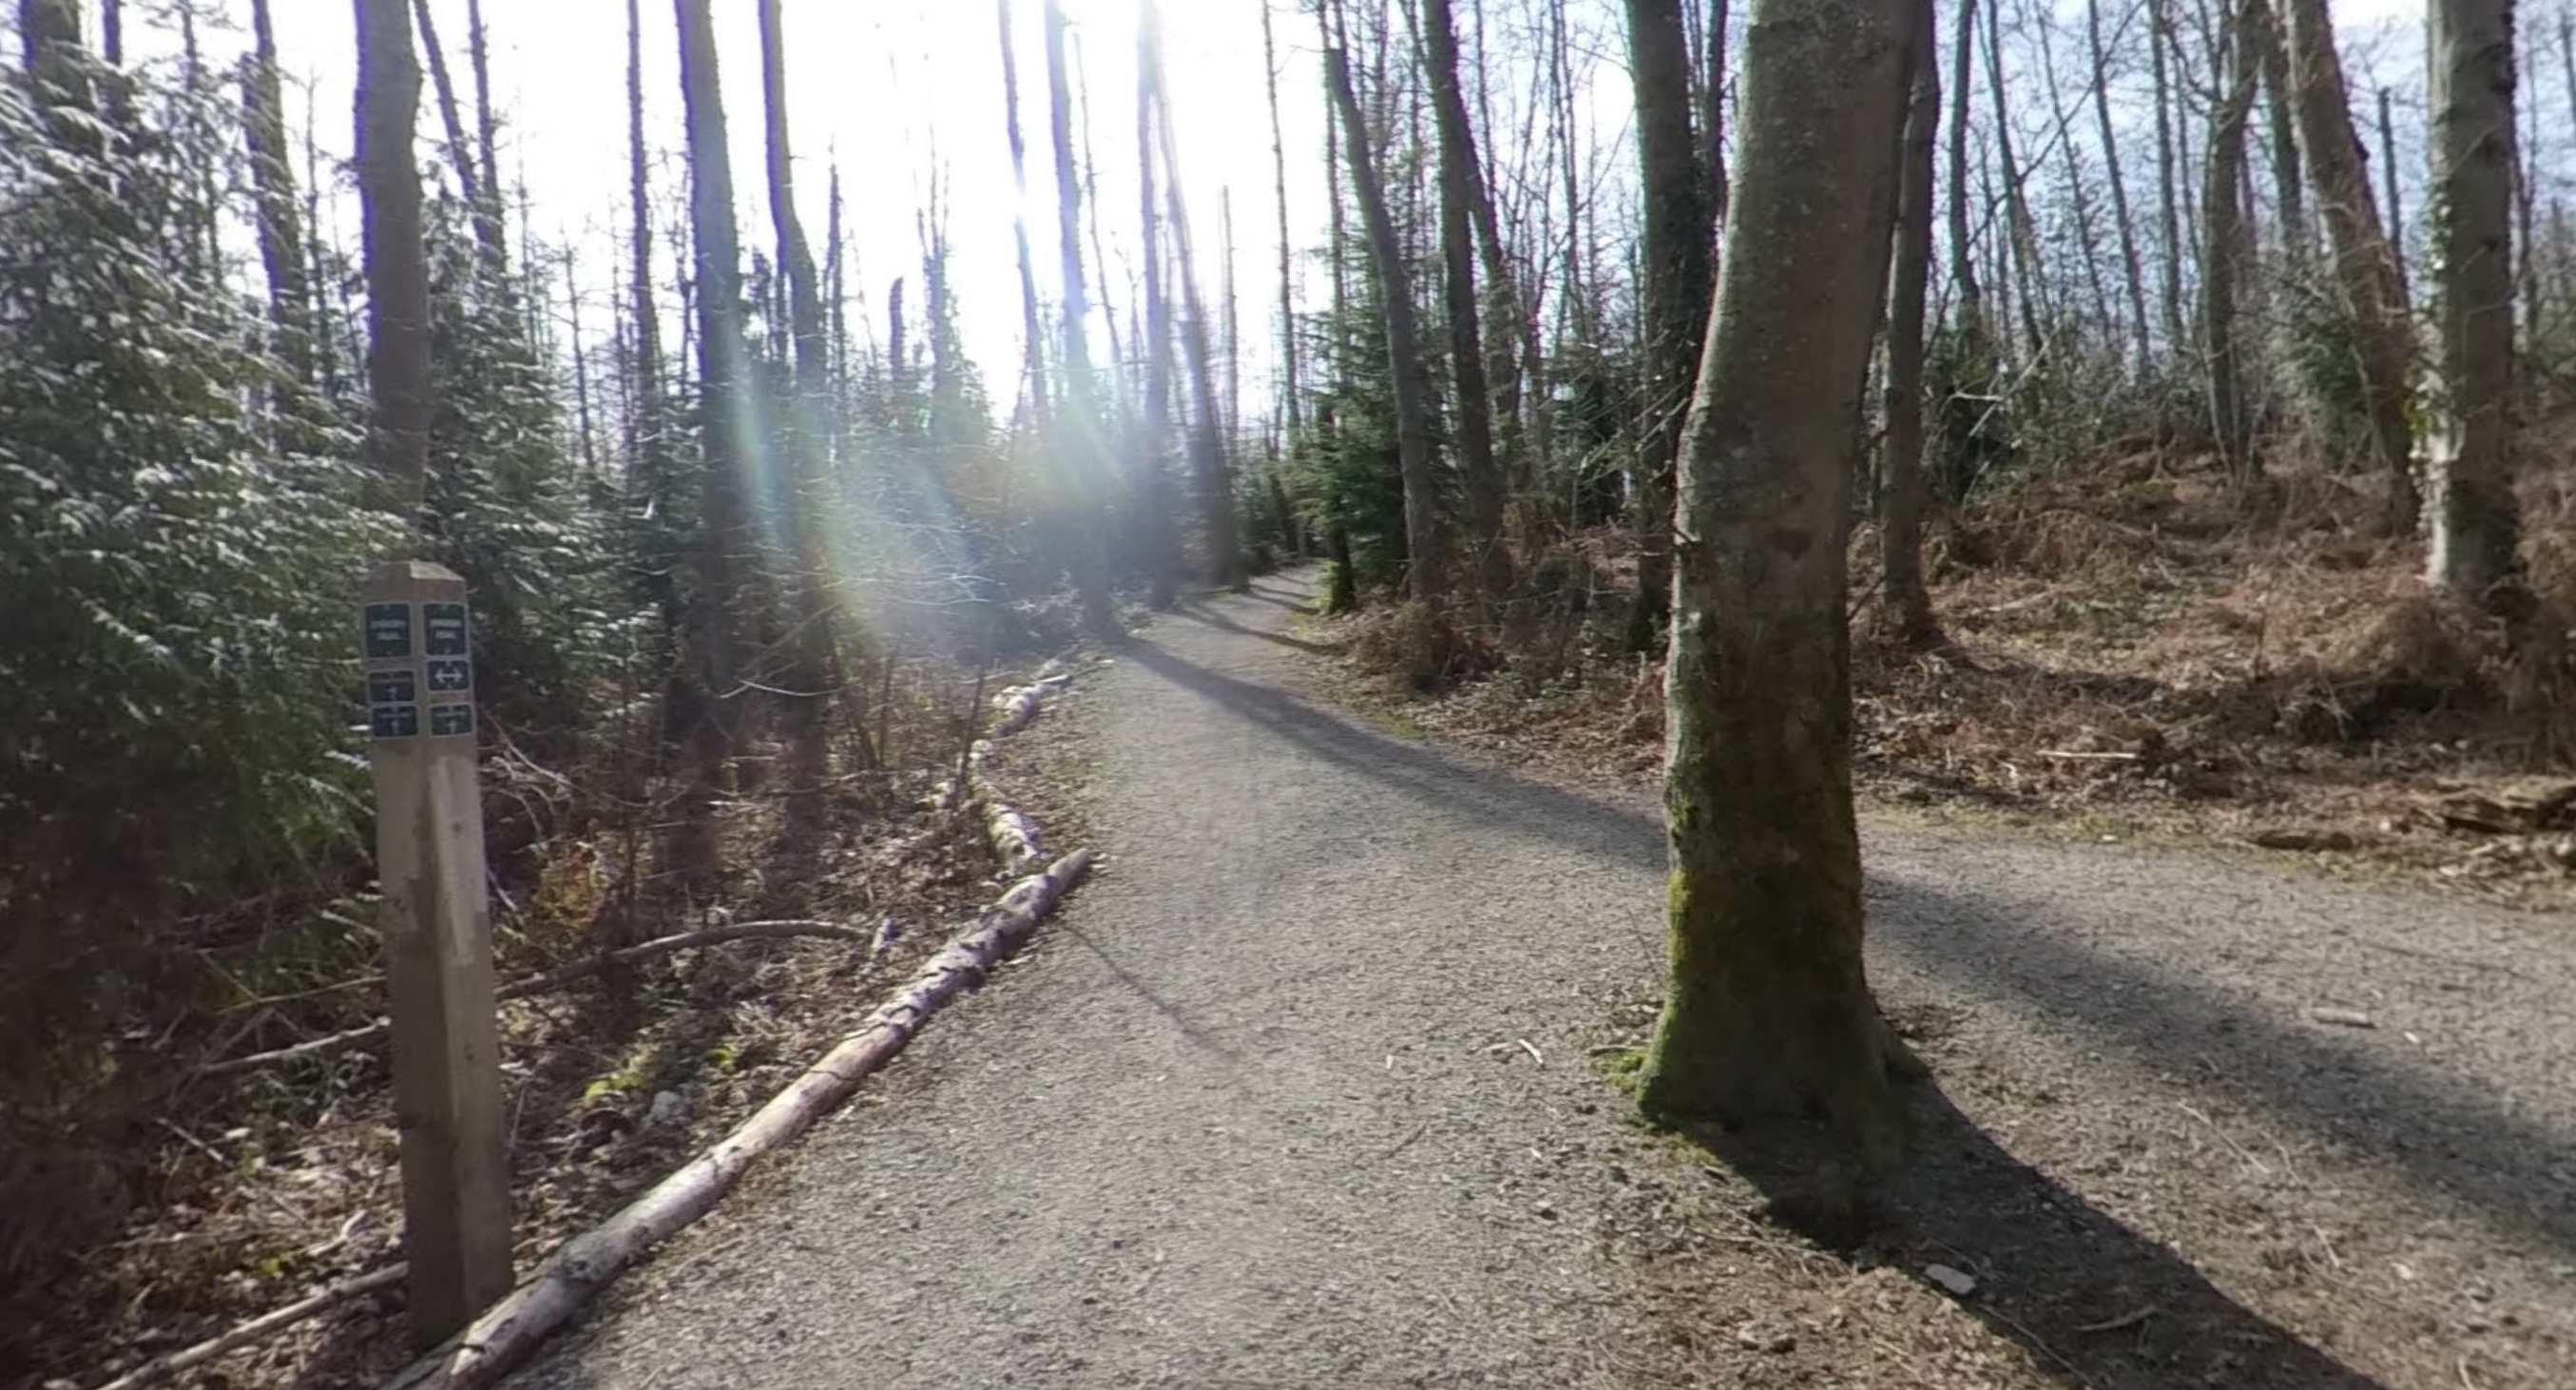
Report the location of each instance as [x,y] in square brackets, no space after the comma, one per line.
[1295,1094]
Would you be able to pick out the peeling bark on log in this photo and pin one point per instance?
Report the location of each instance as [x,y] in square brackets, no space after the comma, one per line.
[552,980]
[1019,706]
[504,1336]
[1014,837]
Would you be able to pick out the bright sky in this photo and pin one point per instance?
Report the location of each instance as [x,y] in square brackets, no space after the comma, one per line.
[888,89]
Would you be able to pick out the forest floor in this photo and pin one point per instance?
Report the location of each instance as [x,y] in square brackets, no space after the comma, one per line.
[264,1188]
[2133,651]
[1312,1087]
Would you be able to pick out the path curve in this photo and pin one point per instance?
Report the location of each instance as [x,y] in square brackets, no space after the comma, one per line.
[1256,1111]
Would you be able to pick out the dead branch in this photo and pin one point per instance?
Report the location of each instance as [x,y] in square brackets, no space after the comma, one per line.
[258,1329]
[550,981]
[505,1335]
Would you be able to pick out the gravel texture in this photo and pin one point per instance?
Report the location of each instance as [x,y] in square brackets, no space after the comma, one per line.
[1296,1093]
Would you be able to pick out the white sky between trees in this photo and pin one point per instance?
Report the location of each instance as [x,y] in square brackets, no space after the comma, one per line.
[892,90]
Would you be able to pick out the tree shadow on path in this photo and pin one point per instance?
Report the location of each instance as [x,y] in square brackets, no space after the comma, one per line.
[1967,1192]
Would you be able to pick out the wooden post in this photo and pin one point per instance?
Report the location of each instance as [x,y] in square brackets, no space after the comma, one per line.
[438,944]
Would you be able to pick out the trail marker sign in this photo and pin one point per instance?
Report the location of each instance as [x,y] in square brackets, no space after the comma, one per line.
[417,642]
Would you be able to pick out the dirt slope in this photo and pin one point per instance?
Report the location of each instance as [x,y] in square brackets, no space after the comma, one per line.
[1297,1093]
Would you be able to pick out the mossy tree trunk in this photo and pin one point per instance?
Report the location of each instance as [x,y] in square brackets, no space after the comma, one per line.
[1768,1023]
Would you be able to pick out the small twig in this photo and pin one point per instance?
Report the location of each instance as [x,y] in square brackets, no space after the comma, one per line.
[258,1329]
[2037,1341]
[2124,1320]
[1406,1142]
[2251,1161]
[1532,1049]
[2072,755]
[551,980]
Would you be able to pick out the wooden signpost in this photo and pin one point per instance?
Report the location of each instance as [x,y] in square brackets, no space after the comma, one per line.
[419,676]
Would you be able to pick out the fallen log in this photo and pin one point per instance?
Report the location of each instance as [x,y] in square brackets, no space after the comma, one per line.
[505,1335]
[258,1329]
[1014,836]
[552,980]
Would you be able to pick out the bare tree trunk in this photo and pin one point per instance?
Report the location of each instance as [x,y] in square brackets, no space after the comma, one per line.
[2140,326]
[1902,494]
[1963,266]
[815,670]
[2079,197]
[281,241]
[1676,286]
[2396,200]
[1079,435]
[1292,391]
[1343,593]
[1772,1033]
[1153,462]
[479,204]
[1425,532]
[647,385]
[2298,238]
[2366,265]
[2476,531]
[1489,563]
[2021,231]
[2169,221]
[478,58]
[2222,262]
[1712,116]
[723,378]
[397,266]
[1031,326]
[1209,473]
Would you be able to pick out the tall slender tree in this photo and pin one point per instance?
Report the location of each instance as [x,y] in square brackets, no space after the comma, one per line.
[808,443]
[1155,443]
[1425,531]
[2365,264]
[1032,326]
[397,265]
[1676,288]
[1902,493]
[2476,529]
[281,240]
[1079,441]
[700,710]
[1489,562]
[2132,273]
[2222,261]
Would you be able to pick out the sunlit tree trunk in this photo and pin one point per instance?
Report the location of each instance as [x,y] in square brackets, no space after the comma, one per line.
[1426,541]
[1768,1026]
[1153,462]
[1032,325]
[397,266]
[1674,250]
[1902,494]
[2475,526]
[480,201]
[1489,563]
[2365,263]
[1078,436]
